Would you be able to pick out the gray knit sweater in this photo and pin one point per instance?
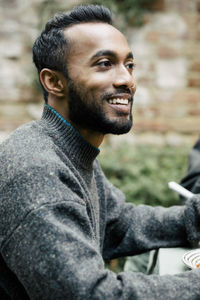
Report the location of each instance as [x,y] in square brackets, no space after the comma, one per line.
[61,218]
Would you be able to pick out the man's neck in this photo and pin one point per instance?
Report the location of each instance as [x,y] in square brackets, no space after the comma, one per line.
[92,137]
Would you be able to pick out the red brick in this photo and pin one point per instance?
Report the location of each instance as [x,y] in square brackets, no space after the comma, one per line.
[151,125]
[155,110]
[194,112]
[193,98]
[195,67]
[148,111]
[194,82]
[198,35]
[144,80]
[153,36]
[185,97]
[185,125]
[169,35]
[140,111]
[167,52]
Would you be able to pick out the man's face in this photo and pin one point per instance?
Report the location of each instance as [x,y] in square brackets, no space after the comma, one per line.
[100,83]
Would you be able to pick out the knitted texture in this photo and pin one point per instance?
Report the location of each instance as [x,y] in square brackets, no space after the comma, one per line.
[192,219]
[60,218]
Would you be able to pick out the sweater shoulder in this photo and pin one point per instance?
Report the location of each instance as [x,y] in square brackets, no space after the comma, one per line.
[27,141]
[24,137]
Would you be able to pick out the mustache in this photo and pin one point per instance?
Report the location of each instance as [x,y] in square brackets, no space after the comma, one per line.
[117,93]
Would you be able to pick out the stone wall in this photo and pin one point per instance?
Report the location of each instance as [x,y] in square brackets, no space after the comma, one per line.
[167,56]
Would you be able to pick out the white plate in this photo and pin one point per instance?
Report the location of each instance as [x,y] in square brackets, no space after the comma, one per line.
[192,258]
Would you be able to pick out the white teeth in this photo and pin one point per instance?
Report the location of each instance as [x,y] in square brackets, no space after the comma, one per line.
[118,101]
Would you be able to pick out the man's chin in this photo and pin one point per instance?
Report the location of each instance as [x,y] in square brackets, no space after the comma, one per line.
[118,128]
[120,131]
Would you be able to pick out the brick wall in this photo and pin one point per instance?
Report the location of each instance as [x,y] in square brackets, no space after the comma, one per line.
[167,56]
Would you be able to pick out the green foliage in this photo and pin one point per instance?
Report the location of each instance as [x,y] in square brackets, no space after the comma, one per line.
[131,10]
[143,172]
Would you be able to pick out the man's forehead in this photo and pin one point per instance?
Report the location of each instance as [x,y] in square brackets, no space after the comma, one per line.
[90,27]
[95,36]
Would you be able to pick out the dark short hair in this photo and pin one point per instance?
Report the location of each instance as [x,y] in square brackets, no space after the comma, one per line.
[51,47]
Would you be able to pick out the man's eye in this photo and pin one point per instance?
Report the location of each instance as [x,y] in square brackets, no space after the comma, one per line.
[130,66]
[105,63]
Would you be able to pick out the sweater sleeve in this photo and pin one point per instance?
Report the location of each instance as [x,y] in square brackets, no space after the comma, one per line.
[135,229]
[48,242]
[54,256]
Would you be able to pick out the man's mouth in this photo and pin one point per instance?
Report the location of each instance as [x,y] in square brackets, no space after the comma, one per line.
[118,101]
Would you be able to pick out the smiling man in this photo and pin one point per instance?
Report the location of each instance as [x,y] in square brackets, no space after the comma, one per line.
[98,84]
[60,217]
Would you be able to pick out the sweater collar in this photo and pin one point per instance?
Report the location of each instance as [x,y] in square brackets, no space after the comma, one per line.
[69,139]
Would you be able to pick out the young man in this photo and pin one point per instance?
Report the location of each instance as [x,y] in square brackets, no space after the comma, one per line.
[60,217]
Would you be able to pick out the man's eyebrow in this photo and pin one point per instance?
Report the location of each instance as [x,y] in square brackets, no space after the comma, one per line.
[109,53]
[103,53]
[130,55]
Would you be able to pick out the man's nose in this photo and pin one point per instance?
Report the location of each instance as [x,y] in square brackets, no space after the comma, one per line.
[124,78]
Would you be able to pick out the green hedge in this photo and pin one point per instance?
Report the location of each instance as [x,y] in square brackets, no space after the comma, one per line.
[143,172]
[132,11]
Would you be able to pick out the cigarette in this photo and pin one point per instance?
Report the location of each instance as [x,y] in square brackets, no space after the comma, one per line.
[179,189]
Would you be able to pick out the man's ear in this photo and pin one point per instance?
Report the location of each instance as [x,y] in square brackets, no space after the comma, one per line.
[54,82]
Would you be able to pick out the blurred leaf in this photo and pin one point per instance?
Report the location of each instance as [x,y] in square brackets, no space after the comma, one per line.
[143,172]
[132,11]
